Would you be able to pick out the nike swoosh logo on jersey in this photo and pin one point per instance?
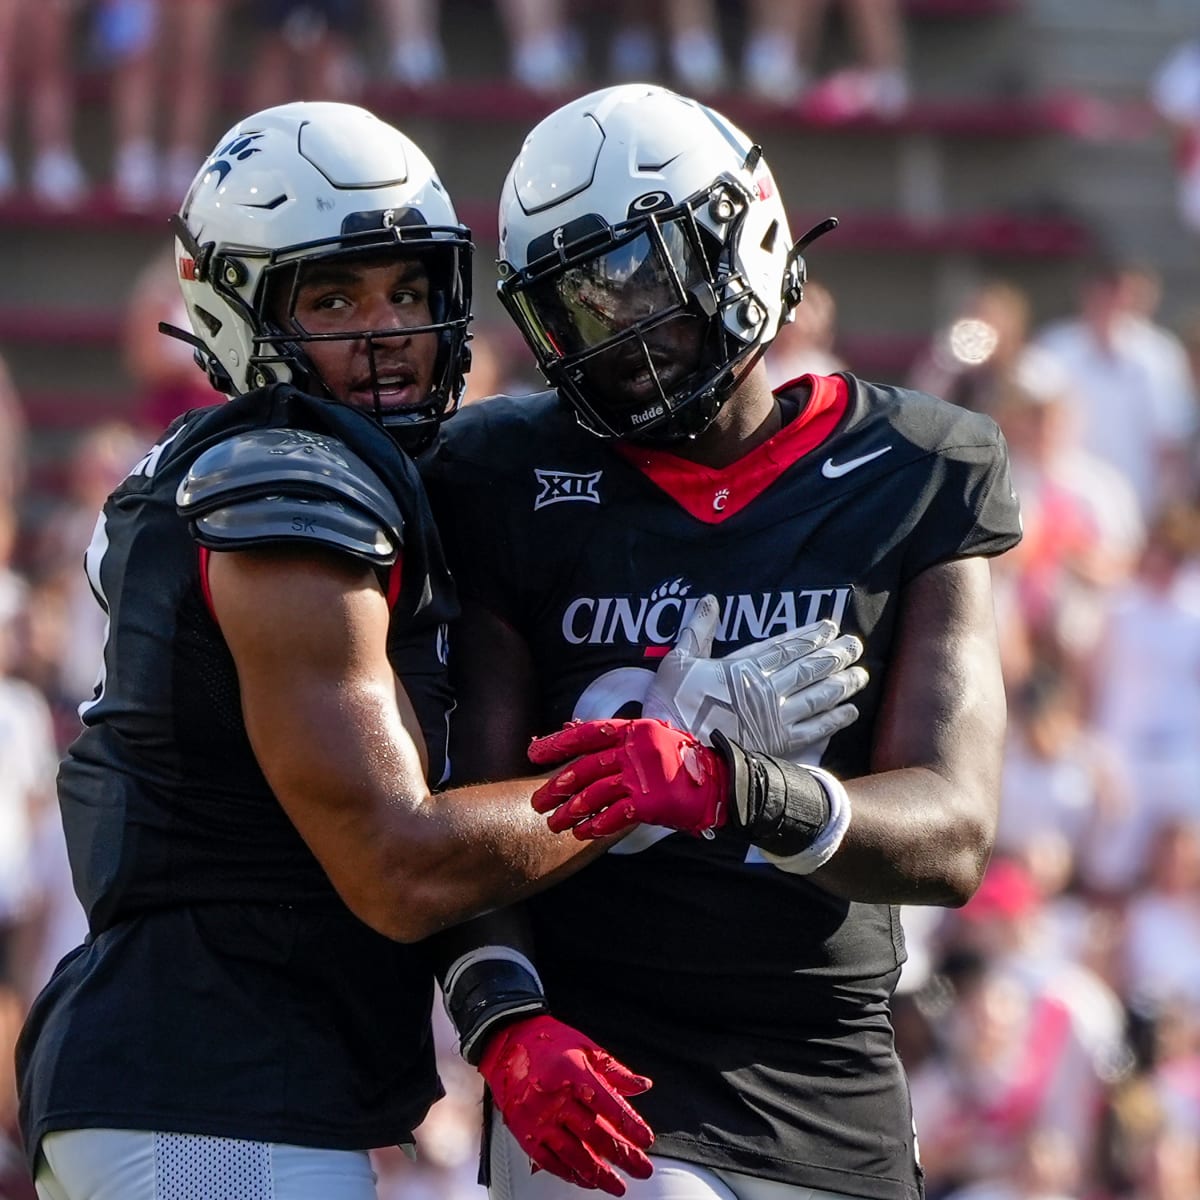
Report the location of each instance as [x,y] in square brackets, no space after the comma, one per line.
[832,470]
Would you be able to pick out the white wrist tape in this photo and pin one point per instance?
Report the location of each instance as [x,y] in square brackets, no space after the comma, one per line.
[826,843]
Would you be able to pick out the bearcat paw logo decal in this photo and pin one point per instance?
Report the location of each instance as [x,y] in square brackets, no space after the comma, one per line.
[226,157]
[670,587]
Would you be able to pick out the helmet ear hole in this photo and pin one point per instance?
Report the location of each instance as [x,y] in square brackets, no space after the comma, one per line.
[211,323]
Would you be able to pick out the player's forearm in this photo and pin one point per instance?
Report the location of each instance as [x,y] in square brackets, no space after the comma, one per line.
[915,838]
[924,820]
[409,863]
[476,848]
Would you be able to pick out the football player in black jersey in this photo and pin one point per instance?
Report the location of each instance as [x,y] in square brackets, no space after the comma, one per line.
[248,809]
[662,486]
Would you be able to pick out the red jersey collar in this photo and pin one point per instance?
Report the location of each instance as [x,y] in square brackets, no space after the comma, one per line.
[713,495]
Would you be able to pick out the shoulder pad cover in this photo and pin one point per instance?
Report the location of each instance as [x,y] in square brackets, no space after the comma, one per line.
[285,485]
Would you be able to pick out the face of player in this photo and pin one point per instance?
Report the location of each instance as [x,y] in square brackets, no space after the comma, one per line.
[359,314]
[630,375]
[623,310]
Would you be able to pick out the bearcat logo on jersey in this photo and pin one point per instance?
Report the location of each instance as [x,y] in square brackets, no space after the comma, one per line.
[655,620]
[558,486]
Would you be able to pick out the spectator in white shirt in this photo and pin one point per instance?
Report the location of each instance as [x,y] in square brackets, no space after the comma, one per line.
[1147,690]
[1132,381]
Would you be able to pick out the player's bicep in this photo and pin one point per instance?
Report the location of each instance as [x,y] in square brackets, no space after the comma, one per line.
[307,631]
[943,705]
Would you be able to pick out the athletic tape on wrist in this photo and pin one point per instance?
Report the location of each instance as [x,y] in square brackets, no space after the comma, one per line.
[826,843]
[776,805]
[487,987]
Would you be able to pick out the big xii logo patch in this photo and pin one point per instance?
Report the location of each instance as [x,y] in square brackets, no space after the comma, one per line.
[560,486]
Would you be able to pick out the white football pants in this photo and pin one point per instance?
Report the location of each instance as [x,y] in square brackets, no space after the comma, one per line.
[673,1179]
[130,1164]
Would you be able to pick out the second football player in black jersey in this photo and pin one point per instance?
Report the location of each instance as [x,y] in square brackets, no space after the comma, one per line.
[646,258]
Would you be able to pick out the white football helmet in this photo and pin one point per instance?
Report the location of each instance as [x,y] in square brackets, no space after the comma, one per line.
[297,185]
[646,258]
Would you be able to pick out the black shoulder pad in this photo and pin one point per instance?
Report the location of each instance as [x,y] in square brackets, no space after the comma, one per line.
[284,485]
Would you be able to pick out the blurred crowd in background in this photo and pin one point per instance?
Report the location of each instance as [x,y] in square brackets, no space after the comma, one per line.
[167,58]
[1051,1028]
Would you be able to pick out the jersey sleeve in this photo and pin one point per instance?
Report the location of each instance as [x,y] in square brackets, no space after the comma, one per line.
[970,507]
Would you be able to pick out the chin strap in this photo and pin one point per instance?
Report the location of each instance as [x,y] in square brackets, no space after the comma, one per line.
[796,270]
[206,360]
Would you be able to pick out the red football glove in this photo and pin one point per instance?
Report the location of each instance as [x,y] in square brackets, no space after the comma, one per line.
[633,771]
[562,1098]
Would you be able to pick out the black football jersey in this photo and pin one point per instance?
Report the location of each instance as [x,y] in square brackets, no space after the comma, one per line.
[758,1002]
[225,988]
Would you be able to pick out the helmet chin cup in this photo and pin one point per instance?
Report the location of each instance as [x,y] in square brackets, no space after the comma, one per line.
[683,408]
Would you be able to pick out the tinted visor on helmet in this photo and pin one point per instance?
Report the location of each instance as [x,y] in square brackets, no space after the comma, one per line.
[625,330]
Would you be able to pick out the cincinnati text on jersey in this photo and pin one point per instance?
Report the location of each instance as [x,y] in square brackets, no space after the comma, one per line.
[656,619]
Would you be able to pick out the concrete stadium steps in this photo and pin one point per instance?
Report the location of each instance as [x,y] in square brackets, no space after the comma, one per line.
[1108,47]
[949,9]
[496,100]
[57,361]
[71,412]
[103,217]
[61,332]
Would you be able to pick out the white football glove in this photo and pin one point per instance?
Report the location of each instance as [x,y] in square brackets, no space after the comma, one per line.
[785,695]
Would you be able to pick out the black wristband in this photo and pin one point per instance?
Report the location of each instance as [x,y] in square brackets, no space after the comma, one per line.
[779,807]
[487,989]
